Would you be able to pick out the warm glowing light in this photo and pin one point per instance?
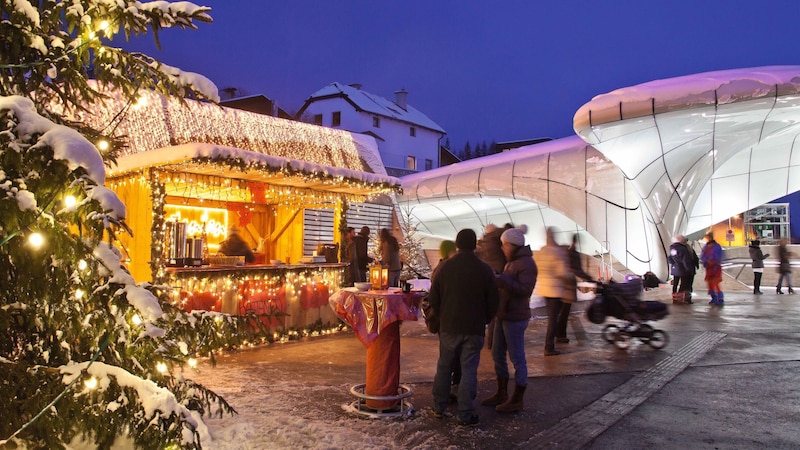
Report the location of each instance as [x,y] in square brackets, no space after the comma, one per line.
[212,222]
[103,145]
[79,294]
[90,383]
[136,319]
[70,201]
[161,367]
[82,265]
[36,240]
[192,362]
[104,25]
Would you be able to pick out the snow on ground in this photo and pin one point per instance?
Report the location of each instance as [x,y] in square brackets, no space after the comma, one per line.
[281,408]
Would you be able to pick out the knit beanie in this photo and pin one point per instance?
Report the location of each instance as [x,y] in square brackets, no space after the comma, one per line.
[513,236]
[446,248]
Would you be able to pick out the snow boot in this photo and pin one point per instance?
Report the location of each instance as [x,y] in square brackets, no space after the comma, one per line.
[515,403]
[500,396]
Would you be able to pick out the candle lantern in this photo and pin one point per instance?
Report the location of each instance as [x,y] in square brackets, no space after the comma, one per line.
[379,276]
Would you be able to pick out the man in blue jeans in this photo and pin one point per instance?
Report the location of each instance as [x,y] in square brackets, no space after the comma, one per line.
[464,296]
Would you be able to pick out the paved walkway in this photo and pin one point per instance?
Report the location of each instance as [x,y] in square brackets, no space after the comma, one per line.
[729,378]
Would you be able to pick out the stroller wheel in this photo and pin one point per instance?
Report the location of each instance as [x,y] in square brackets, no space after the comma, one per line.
[658,339]
[644,332]
[622,340]
[609,332]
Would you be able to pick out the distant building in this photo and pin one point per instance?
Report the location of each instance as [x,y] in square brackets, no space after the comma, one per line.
[408,141]
[258,104]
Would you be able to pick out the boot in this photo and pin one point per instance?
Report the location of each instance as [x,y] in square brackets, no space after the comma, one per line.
[515,403]
[500,396]
[791,291]
[778,290]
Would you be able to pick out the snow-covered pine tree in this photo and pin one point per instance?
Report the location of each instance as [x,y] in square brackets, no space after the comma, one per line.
[86,354]
[415,265]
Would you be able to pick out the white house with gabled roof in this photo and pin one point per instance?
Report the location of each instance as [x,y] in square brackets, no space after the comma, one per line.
[408,141]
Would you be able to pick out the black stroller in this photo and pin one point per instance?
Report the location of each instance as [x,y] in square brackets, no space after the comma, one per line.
[623,301]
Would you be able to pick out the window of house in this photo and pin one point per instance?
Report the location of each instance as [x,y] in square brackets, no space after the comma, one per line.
[428,164]
[336,119]
[376,122]
[317,119]
[411,162]
[413,131]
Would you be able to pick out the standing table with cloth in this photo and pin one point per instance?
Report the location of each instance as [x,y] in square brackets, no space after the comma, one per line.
[375,317]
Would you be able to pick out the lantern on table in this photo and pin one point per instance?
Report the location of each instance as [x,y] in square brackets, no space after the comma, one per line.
[379,276]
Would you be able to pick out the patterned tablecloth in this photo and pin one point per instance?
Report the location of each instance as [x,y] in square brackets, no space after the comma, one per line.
[369,312]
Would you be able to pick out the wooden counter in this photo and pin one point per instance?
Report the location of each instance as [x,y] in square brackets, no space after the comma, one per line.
[299,290]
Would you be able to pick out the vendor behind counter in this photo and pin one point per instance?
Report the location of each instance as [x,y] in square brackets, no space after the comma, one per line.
[234,245]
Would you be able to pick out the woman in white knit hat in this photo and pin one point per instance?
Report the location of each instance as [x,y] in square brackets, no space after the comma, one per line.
[513,314]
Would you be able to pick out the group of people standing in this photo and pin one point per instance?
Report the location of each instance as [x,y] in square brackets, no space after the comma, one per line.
[684,263]
[356,252]
[784,266]
[490,283]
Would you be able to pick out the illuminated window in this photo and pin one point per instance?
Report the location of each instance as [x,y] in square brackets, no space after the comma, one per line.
[376,122]
[413,131]
[411,162]
[336,119]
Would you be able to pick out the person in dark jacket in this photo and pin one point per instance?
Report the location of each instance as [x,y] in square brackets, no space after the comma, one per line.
[234,245]
[362,259]
[464,296]
[758,258]
[682,260]
[784,267]
[571,291]
[513,314]
[489,248]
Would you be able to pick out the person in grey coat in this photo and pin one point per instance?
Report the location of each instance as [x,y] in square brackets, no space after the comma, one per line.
[758,258]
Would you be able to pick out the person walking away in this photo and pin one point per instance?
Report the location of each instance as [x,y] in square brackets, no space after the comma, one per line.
[758,258]
[571,290]
[234,245]
[360,244]
[515,286]
[784,267]
[712,262]
[682,270]
[554,274]
[464,296]
[390,256]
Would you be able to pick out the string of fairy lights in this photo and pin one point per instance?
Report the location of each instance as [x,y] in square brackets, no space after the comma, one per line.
[156,122]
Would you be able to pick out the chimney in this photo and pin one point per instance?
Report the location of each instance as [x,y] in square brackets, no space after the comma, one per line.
[400,98]
[356,85]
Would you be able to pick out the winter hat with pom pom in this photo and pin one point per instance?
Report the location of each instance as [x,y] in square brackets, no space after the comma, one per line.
[515,236]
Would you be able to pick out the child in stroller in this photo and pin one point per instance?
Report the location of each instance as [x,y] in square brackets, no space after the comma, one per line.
[623,301]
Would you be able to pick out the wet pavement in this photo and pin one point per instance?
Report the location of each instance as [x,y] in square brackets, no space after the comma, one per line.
[729,378]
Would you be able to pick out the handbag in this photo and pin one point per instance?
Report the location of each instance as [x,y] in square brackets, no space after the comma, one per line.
[431,319]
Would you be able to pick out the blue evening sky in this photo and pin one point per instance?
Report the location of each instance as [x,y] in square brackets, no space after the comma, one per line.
[483,70]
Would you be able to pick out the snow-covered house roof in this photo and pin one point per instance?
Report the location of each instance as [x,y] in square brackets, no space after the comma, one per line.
[373,104]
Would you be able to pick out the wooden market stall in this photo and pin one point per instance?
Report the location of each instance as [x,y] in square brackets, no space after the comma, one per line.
[194,170]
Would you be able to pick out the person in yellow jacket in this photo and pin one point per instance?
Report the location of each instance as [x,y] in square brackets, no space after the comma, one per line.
[554,278]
